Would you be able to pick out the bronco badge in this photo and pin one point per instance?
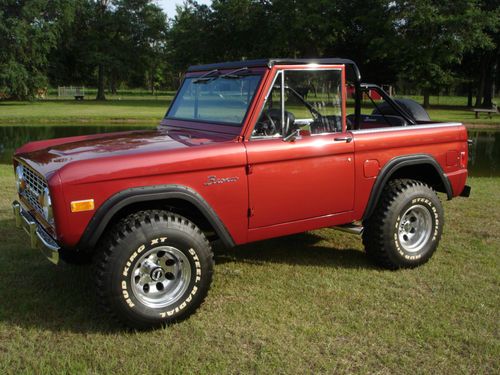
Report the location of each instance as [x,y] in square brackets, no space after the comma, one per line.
[213,180]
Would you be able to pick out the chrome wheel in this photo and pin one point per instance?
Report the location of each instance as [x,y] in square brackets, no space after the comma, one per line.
[415,228]
[161,276]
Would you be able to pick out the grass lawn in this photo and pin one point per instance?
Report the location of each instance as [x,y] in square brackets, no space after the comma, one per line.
[134,109]
[143,108]
[308,303]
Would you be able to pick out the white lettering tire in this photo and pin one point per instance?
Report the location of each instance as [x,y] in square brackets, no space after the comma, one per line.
[406,226]
[154,268]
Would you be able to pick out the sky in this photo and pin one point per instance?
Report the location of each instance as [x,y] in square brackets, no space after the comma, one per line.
[169,5]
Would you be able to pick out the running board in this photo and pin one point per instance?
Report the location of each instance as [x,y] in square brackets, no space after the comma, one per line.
[350,228]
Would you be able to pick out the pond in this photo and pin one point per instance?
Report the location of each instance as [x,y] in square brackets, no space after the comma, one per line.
[484,158]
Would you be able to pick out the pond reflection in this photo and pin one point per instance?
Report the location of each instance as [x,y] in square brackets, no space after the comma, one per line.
[484,158]
[12,137]
[484,154]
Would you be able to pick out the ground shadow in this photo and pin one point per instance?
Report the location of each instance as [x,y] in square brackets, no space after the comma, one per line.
[34,293]
[38,294]
[297,249]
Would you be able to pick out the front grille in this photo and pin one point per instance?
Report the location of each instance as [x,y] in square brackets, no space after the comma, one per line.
[34,188]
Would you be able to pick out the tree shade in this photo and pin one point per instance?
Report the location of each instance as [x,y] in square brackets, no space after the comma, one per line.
[425,45]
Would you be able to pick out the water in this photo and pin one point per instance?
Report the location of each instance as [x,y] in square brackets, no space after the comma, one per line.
[484,158]
[484,154]
[11,137]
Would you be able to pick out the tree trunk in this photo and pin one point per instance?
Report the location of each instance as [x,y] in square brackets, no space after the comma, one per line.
[100,84]
[480,86]
[426,98]
[489,84]
[469,95]
[151,78]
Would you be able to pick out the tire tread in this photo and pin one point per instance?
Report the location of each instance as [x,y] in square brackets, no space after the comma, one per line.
[118,233]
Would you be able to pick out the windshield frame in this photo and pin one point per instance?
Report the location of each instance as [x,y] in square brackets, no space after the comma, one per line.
[260,72]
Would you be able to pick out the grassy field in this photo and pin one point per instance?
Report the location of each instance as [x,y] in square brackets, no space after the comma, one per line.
[308,303]
[143,108]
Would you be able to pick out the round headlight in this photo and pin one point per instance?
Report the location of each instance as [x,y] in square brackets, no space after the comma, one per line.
[47,205]
[19,178]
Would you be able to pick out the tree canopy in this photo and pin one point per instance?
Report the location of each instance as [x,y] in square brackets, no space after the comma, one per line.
[422,45]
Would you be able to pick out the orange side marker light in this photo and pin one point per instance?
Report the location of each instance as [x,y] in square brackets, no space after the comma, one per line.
[84,205]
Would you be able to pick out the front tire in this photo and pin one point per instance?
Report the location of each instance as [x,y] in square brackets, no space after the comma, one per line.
[405,229]
[155,267]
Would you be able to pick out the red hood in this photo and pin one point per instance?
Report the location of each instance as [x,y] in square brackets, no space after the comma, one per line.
[49,156]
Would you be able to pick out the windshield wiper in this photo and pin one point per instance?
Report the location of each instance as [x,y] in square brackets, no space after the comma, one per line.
[206,77]
[236,74]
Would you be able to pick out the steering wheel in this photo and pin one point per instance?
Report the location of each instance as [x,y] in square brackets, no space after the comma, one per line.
[265,127]
[272,125]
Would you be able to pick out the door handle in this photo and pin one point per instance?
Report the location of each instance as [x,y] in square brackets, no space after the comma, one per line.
[343,139]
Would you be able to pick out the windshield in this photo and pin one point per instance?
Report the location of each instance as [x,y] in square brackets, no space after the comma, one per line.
[215,98]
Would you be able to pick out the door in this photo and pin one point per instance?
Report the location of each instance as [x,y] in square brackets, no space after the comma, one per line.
[301,160]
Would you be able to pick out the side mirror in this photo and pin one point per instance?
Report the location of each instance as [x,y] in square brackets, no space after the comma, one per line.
[292,136]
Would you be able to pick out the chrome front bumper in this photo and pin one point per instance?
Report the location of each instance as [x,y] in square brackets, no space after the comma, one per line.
[38,236]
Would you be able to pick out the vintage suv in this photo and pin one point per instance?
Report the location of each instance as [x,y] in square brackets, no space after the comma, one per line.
[248,150]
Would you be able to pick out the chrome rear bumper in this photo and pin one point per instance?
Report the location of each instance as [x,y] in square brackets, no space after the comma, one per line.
[38,236]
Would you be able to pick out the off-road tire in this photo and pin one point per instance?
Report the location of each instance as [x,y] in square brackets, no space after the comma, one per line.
[123,268]
[406,226]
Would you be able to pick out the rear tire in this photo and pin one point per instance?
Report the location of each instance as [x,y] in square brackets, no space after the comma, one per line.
[154,268]
[406,226]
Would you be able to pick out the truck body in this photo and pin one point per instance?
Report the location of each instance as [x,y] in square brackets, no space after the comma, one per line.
[239,181]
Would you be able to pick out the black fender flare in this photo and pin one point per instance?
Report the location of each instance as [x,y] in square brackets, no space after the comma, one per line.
[122,199]
[397,163]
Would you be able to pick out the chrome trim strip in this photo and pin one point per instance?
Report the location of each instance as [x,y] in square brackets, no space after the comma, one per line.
[39,238]
[404,128]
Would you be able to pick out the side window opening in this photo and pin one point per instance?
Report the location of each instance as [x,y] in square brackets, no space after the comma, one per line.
[380,110]
[302,100]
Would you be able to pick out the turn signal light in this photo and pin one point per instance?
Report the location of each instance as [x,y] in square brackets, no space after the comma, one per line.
[85,205]
[463,159]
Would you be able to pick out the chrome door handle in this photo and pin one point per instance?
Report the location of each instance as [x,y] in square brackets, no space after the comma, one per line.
[343,139]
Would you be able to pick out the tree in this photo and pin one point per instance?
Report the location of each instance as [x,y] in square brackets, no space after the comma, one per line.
[29,30]
[367,35]
[110,42]
[190,36]
[142,33]
[434,36]
[486,56]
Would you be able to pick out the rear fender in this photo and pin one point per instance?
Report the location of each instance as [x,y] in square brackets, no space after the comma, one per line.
[390,170]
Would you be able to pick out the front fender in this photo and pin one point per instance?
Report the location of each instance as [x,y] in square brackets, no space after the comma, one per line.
[121,200]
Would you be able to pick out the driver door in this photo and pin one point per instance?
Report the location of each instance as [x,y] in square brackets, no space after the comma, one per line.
[308,177]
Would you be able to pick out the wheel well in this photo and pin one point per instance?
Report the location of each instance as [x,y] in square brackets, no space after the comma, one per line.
[415,167]
[178,206]
[422,172]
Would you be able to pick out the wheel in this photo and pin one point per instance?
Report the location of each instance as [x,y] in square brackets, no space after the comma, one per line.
[75,257]
[154,268]
[406,226]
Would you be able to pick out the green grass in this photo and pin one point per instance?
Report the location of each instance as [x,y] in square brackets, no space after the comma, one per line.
[126,109]
[308,303]
[138,107]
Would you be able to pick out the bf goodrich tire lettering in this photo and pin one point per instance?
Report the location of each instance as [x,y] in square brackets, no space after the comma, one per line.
[155,268]
[406,226]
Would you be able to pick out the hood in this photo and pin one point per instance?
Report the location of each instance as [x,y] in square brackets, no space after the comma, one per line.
[57,153]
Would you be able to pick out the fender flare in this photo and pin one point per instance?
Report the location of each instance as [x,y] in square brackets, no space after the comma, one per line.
[397,163]
[96,226]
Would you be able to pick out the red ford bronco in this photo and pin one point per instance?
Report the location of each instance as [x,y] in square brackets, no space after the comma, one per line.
[247,151]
